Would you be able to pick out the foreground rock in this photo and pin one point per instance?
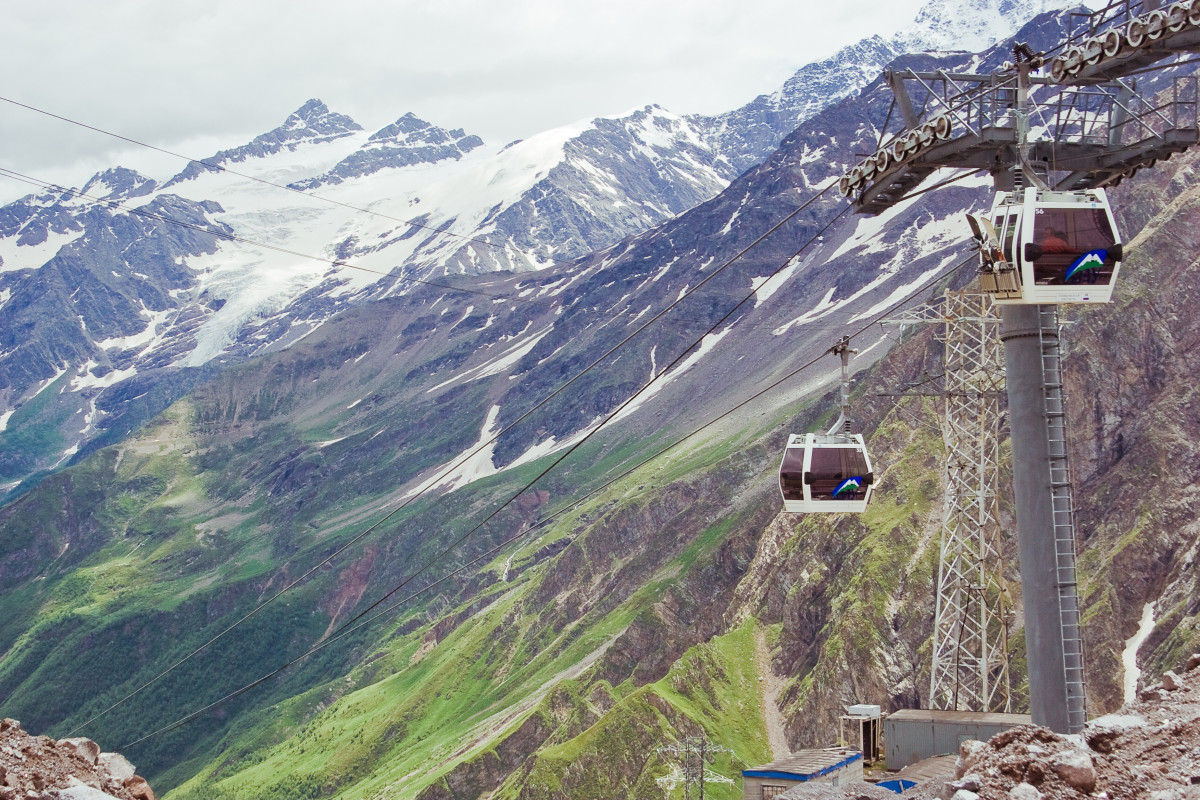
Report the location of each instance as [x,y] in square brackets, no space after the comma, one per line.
[1149,750]
[41,768]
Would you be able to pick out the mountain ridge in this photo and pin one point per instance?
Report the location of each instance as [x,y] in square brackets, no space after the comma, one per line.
[554,665]
[550,198]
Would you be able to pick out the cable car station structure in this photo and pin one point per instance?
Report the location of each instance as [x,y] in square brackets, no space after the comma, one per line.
[1052,142]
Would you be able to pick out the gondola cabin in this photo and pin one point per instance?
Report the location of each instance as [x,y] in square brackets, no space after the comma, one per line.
[1043,247]
[825,473]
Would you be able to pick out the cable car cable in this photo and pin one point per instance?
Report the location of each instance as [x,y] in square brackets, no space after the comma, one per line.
[463,459]
[357,622]
[454,545]
[536,258]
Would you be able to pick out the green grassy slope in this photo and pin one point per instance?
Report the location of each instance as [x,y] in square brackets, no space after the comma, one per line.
[556,666]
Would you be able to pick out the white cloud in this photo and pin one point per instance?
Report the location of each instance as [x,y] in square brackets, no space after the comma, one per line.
[193,77]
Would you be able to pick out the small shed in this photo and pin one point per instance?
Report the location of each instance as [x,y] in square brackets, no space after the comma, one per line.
[831,765]
[861,727]
[913,735]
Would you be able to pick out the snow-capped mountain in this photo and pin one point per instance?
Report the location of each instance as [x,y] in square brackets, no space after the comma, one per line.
[311,124]
[265,276]
[104,296]
[749,134]
[406,142]
[970,25]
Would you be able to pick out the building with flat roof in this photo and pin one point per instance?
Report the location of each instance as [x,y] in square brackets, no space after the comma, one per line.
[831,765]
[915,734]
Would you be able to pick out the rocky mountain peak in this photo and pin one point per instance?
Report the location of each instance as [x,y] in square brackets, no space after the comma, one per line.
[312,121]
[972,25]
[407,141]
[749,134]
[314,109]
[411,129]
[119,182]
[409,123]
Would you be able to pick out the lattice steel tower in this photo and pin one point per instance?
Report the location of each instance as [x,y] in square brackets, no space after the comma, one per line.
[970,634]
[1094,130]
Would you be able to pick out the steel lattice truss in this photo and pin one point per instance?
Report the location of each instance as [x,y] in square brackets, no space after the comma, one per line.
[970,644]
[1092,128]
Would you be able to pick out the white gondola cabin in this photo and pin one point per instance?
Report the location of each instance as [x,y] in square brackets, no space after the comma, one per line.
[1045,247]
[825,473]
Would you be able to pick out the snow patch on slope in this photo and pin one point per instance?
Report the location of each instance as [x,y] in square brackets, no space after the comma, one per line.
[86,380]
[1129,654]
[706,346]
[497,365]
[768,285]
[901,292]
[15,256]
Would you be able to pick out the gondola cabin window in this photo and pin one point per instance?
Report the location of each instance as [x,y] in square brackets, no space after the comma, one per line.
[1072,247]
[837,473]
[1008,226]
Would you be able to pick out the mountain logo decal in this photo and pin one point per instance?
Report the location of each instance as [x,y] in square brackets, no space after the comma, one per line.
[1093,259]
[850,485]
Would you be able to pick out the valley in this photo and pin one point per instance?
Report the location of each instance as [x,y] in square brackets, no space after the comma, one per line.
[501,517]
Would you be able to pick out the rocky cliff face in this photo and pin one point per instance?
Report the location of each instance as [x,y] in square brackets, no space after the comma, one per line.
[1133,402]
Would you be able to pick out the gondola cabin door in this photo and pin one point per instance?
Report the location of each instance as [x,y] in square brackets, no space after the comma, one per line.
[1064,246]
[825,473]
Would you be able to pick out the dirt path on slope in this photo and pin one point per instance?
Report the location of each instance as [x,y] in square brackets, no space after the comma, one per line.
[770,687]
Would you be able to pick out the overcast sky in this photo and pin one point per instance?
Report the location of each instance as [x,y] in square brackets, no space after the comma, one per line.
[198,76]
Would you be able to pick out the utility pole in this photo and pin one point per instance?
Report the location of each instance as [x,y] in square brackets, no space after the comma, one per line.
[690,758]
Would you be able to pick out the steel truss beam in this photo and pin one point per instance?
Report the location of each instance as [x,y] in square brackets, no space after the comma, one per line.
[1094,135]
[1138,34]
[1093,128]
